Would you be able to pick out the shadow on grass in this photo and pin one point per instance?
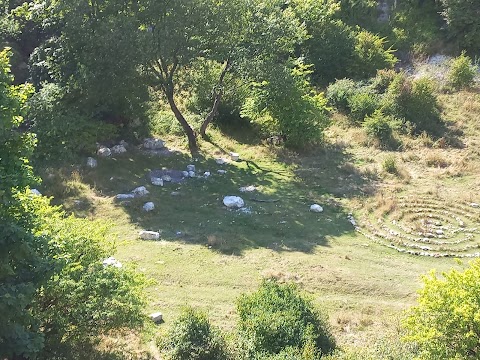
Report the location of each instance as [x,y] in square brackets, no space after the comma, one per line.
[276,215]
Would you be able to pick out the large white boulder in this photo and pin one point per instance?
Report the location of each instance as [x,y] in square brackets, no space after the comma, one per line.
[316,208]
[124,196]
[156,317]
[119,149]
[149,206]
[157,181]
[140,191]
[234,202]
[149,235]
[153,144]
[104,152]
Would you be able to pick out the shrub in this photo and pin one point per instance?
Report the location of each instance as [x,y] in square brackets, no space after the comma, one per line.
[446,320]
[192,337]
[370,55]
[379,126]
[462,72]
[383,79]
[390,164]
[62,130]
[277,316]
[340,92]
[362,104]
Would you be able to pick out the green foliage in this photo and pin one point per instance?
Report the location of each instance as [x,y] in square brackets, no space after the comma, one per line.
[370,55]
[462,20]
[462,72]
[277,317]
[339,93]
[389,164]
[379,126]
[414,101]
[290,105]
[23,262]
[363,103]
[192,337]
[446,320]
[62,130]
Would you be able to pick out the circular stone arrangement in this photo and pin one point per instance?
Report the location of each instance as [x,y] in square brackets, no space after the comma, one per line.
[426,226]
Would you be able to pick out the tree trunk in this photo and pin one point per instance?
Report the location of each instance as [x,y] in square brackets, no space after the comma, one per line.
[216,102]
[192,139]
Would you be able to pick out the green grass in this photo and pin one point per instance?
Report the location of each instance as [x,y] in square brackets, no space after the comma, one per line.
[220,254]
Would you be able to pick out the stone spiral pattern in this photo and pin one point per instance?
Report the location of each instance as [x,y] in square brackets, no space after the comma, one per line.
[425,226]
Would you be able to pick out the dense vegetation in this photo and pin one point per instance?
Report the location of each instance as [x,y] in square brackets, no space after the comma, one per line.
[75,73]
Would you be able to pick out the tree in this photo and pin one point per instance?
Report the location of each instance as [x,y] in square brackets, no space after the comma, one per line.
[462,20]
[245,36]
[24,265]
[446,322]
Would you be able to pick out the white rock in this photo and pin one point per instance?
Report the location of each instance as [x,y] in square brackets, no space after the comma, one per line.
[185,173]
[124,143]
[166,178]
[140,191]
[316,208]
[111,261]
[104,152]
[35,192]
[156,317]
[157,181]
[475,205]
[249,188]
[207,173]
[124,196]
[190,168]
[234,156]
[191,174]
[233,202]
[439,232]
[149,235]
[222,172]
[91,162]
[149,206]
[119,149]
[220,161]
[352,220]
[153,144]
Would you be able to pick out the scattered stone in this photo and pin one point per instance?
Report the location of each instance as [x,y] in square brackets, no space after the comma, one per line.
[167,178]
[179,233]
[149,206]
[234,156]
[157,181]
[190,168]
[119,149]
[111,261]
[249,188]
[149,235]
[156,317]
[91,162]
[233,202]
[124,196]
[316,208]
[245,210]
[185,173]
[104,152]
[153,144]
[35,192]
[351,219]
[123,143]
[439,232]
[475,205]
[175,193]
[140,191]
[220,161]
[207,174]
[191,174]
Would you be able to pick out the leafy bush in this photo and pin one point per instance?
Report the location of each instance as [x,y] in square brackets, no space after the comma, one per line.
[379,126]
[370,55]
[277,316]
[61,129]
[383,79]
[192,337]
[390,164]
[340,92]
[462,72]
[288,104]
[446,320]
[362,104]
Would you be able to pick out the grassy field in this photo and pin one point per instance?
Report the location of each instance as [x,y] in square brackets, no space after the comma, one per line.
[209,255]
